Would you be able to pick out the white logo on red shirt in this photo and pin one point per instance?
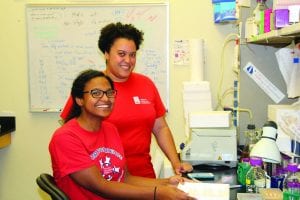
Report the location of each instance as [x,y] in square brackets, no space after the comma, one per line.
[138,100]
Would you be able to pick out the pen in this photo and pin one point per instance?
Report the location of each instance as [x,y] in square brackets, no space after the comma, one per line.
[235,186]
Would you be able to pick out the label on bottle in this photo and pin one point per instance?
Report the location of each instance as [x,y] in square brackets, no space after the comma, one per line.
[248,181]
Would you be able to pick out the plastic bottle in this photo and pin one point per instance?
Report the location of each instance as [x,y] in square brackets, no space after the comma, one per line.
[256,176]
[257,15]
[251,139]
[278,178]
[243,168]
[291,183]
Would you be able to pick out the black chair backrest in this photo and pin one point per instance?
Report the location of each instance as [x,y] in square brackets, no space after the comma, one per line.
[46,183]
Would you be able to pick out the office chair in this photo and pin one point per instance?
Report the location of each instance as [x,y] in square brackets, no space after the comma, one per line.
[46,183]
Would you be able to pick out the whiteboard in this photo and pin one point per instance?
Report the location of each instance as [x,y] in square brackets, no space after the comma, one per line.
[62,41]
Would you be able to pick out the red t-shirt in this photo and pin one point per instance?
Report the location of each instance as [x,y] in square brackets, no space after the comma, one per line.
[73,148]
[137,105]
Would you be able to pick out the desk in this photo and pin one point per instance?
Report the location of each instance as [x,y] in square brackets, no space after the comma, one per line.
[222,175]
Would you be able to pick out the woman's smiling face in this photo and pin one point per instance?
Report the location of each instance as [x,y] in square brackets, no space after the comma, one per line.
[121,59]
[101,106]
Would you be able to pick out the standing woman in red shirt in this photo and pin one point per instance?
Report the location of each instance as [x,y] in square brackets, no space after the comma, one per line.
[139,110]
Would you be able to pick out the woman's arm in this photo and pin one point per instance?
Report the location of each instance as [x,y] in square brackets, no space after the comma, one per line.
[165,141]
[133,188]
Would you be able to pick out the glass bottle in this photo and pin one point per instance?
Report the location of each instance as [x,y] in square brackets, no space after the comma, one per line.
[291,183]
[251,139]
[258,13]
[256,176]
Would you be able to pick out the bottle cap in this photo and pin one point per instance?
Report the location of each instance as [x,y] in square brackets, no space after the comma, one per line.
[292,167]
[292,184]
[255,161]
[245,160]
[251,126]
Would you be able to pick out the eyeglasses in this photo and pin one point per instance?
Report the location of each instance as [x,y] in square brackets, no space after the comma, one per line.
[96,93]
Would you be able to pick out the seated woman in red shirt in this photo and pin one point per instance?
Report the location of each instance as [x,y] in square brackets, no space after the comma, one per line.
[87,155]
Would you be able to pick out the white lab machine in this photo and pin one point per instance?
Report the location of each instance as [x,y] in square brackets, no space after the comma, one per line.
[211,145]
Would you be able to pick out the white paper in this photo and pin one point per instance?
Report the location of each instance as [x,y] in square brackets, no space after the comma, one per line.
[181,52]
[206,191]
[289,70]
[294,85]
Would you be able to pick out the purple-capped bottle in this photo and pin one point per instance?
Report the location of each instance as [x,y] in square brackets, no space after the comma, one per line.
[256,176]
[291,183]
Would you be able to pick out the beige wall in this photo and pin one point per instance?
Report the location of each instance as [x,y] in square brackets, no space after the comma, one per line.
[27,156]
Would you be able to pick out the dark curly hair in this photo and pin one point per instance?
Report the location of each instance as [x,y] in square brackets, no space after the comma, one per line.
[113,31]
[78,87]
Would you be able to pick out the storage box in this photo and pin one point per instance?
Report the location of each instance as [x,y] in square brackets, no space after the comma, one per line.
[268,20]
[281,18]
[224,11]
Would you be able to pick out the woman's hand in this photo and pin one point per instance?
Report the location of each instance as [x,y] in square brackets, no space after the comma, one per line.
[171,193]
[183,167]
[175,180]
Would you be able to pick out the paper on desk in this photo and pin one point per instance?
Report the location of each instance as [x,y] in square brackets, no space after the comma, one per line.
[289,70]
[206,191]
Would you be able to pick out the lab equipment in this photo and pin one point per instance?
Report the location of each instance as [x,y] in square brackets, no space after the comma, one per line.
[266,147]
[211,146]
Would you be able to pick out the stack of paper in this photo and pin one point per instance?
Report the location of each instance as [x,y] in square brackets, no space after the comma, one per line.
[249,196]
[196,97]
[207,191]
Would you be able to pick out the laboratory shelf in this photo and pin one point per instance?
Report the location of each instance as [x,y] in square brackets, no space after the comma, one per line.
[279,37]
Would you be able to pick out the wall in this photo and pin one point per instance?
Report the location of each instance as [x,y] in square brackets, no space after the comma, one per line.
[27,156]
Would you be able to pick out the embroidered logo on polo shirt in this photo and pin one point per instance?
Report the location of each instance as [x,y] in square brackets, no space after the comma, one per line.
[138,100]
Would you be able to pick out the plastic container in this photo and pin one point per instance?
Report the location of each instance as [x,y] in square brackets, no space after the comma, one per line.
[258,15]
[291,184]
[251,139]
[278,178]
[256,176]
[243,168]
[289,196]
